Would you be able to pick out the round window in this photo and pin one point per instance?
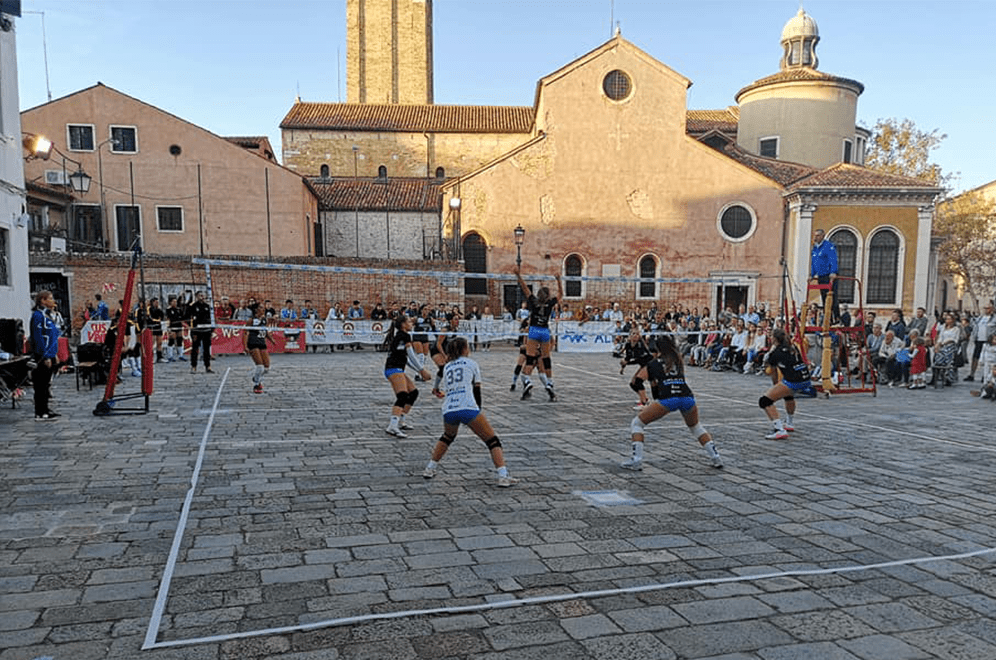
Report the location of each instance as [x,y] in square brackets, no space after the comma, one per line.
[175,150]
[617,85]
[737,222]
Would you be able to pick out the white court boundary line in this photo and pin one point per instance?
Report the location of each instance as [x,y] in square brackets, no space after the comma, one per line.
[555,598]
[162,596]
[174,551]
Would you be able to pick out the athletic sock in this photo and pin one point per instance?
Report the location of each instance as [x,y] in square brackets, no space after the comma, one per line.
[637,451]
[778,425]
[525,381]
[394,422]
[544,380]
[788,419]
[431,465]
[502,472]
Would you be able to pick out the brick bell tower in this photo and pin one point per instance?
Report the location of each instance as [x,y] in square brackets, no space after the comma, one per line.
[389,51]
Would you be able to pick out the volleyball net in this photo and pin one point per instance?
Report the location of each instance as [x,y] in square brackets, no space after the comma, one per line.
[313,305]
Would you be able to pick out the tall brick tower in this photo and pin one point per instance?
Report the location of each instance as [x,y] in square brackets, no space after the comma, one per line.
[389,52]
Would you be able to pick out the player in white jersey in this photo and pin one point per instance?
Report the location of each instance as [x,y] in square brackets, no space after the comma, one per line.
[461,383]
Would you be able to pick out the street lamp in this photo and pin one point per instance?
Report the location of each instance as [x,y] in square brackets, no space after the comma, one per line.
[520,235]
[38,146]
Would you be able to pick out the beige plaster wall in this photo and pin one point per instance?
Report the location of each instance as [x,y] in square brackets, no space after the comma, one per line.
[865,221]
[811,120]
[230,194]
[615,181]
[404,154]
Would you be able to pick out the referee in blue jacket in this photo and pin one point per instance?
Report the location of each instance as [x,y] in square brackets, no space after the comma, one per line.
[45,350]
[823,269]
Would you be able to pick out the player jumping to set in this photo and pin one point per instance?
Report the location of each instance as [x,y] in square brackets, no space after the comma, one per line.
[541,308]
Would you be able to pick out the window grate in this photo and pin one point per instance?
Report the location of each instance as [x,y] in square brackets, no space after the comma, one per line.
[617,85]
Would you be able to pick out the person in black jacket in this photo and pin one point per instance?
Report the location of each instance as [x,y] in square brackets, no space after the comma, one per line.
[201,329]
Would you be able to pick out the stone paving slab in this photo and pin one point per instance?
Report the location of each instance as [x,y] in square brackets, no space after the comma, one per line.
[305,512]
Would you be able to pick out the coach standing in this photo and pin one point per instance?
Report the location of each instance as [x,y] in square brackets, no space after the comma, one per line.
[44,349]
[201,330]
[823,269]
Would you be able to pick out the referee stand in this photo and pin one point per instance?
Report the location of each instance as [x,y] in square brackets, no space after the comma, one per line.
[850,340]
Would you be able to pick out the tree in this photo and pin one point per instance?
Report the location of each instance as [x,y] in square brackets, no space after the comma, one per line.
[967,226]
[899,147]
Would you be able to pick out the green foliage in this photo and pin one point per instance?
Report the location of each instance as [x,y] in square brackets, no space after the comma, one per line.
[899,147]
[967,225]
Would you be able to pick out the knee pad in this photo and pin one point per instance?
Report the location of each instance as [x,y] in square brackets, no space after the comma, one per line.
[493,443]
[764,402]
[401,399]
[697,431]
[636,385]
[636,426]
[547,364]
[789,398]
[531,360]
[447,439]
[413,397]
[439,372]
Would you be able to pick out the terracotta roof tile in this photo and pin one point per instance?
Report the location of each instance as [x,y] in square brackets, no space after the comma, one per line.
[796,75]
[698,122]
[848,175]
[784,172]
[374,194]
[410,118]
[248,141]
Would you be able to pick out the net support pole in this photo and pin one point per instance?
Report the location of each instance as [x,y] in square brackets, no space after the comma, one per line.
[210,294]
[118,342]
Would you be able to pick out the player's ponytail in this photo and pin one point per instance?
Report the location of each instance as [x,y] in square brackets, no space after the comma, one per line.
[455,348]
[669,354]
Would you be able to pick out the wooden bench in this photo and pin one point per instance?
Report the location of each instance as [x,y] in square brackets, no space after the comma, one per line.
[87,371]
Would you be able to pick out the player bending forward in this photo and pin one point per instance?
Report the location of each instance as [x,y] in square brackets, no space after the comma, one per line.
[795,378]
[666,374]
[462,405]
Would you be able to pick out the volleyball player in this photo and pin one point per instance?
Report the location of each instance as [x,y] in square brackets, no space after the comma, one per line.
[636,352]
[254,340]
[437,349]
[174,320]
[540,308]
[785,356]
[666,374]
[521,360]
[462,405]
[400,354]
[156,316]
[421,327]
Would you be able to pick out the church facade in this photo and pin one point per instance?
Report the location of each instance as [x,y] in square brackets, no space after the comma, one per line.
[611,175]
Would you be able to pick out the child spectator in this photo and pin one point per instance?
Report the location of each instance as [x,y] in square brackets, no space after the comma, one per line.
[918,364]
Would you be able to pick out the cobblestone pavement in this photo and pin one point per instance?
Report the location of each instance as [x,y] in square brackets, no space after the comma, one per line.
[312,535]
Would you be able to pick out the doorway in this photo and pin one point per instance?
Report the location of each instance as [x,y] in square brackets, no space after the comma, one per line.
[730,296]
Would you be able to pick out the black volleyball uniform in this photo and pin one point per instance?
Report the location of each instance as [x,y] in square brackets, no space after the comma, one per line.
[257,335]
[667,383]
[175,316]
[540,313]
[794,370]
[156,317]
[638,354]
[397,353]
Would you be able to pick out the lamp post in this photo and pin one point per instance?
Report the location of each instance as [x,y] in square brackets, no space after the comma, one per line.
[520,235]
[100,176]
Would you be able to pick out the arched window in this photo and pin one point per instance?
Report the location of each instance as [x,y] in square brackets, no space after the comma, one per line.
[382,172]
[648,270]
[883,268]
[324,171]
[475,260]
[573,267]
[847,262]
[440,173]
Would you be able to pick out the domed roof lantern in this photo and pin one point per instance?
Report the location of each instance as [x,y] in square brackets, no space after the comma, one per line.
[799,38]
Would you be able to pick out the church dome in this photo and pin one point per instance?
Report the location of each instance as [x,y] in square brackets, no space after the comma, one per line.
[800,25]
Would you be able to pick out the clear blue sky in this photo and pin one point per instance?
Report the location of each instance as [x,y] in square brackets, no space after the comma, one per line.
[235,66]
